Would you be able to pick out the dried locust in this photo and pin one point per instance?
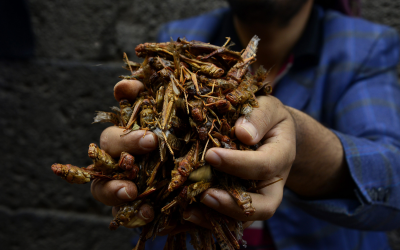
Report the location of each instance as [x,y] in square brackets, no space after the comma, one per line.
[191,101]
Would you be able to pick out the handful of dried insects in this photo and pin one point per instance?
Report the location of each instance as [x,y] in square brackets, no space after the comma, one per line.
[194,93]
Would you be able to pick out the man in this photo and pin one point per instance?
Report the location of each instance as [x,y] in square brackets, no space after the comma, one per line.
[331,129]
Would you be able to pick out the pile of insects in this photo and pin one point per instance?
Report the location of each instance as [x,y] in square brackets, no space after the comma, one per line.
[194,92]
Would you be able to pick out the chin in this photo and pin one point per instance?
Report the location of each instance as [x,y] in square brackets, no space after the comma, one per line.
[266,11]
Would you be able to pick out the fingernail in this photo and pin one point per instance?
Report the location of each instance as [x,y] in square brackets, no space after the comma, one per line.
[209,201]
[144,216]
[148,142]
[191,217]
[213,158]
[249,128]
[123,194]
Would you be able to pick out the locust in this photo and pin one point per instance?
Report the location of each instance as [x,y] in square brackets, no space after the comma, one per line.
[194,92]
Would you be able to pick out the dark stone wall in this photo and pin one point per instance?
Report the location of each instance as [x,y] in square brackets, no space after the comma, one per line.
[102,30]
[47,105]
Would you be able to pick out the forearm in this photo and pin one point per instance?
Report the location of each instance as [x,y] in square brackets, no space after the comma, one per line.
[320,169]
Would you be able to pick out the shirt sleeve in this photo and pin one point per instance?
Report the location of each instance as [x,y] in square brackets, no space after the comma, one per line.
[162,35]
[367,122]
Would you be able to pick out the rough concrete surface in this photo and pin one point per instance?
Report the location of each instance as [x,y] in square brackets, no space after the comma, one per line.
[47,106]
[52,103]
[51,229]
[102,30]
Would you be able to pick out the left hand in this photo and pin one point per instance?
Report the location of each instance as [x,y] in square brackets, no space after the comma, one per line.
[273,125]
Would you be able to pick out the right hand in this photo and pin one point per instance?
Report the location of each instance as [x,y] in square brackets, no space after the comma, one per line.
[117,192]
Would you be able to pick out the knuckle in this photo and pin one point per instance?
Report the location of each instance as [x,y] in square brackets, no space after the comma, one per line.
[261,119]
[270,209]
[269,213]
[262,100]
[105,138]
[266,169]
[127,89]
[130,143]
[278,103]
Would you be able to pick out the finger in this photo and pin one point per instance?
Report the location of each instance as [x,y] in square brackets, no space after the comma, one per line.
[178,229]
[115,210]
[247,224]
[113,193]
[127,89]
[265,204]
[113,143]
[144,216]
[192,216]
[261,120]
[196,216]
[146,213]
[273,158]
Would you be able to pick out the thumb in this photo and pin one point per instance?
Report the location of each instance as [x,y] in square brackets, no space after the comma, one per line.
[252,129]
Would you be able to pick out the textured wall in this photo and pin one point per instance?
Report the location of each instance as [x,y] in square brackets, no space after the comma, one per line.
[47,105]
[385,12]
[101,29]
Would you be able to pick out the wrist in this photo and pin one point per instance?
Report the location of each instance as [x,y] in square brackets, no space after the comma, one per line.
[319,169]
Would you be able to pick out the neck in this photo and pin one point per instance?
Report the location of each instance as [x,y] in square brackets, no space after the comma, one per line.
[276,41]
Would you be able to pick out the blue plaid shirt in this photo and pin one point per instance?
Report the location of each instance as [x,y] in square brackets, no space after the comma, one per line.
[351,88]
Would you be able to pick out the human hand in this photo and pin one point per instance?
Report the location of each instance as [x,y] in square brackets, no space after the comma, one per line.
[279,128]
[118,192]
[273,125]
[292,141]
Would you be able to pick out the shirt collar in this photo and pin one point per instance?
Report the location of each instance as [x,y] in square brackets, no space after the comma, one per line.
[308,48]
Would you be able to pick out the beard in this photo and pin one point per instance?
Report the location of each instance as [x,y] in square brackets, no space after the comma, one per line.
[266,11]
